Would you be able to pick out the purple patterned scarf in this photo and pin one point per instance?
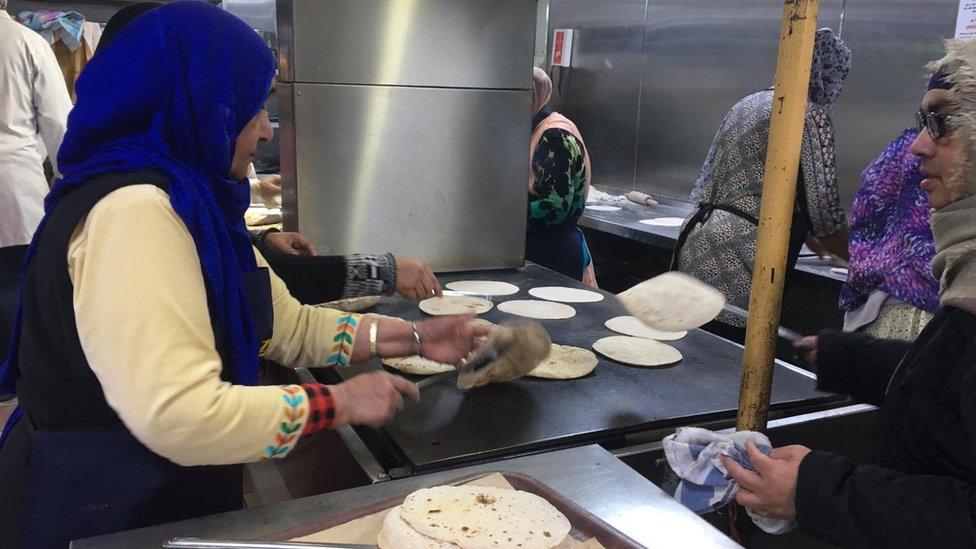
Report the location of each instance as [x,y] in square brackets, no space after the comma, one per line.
[891,240]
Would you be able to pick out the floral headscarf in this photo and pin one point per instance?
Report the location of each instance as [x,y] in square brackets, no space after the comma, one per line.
[831,63]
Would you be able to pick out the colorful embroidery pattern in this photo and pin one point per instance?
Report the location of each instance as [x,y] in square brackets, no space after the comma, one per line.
[290,429]
[343,340]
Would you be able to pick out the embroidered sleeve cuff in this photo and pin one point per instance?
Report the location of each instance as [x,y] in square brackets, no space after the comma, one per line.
[321,409]
[292,421]
[369,275]
[340,351]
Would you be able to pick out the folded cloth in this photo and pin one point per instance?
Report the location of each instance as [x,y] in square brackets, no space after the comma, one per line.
[67,26]
[694,455]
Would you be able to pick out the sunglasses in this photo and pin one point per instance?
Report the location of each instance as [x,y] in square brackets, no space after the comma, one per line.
[937,124]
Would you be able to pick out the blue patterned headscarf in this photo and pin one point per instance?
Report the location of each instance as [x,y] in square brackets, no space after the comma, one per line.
[831,63]
[172,93]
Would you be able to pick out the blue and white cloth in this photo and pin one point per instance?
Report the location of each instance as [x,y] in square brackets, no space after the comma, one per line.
[695,456]
[67,26]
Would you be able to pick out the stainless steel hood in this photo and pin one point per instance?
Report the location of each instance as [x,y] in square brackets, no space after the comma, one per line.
[405,126]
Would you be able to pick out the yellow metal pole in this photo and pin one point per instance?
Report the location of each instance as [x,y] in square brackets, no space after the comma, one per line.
[776,208]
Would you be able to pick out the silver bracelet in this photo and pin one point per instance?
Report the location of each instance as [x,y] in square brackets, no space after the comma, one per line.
[416,338]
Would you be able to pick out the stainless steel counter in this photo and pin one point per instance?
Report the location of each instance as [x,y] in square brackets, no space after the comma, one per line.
[625,223]
[591,477]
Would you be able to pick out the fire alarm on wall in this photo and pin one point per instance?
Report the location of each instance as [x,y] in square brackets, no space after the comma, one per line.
[562,48]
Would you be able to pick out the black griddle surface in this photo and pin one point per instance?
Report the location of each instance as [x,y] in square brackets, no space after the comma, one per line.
[449,426]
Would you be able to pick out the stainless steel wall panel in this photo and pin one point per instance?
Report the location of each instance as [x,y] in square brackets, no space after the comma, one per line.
[700,58]
[438,43]
[600,92]
[892,41]
[432,173]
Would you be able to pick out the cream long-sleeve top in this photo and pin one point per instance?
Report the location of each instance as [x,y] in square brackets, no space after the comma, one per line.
[34,106]
[141,310]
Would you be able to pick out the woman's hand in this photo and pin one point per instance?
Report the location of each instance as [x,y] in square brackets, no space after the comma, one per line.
[445,339]
[770,491]
[415,280]
[371,399]
[288,244]
[270,187]
[448,339]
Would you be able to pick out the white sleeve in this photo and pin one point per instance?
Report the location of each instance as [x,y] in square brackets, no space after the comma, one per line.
[51,101]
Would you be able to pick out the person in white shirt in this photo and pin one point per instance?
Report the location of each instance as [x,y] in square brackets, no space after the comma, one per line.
[34,106]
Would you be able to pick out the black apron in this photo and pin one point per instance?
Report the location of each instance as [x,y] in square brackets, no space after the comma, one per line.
[69,469]
[798,228]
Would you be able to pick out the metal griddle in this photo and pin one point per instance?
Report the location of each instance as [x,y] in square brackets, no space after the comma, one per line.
[450,427]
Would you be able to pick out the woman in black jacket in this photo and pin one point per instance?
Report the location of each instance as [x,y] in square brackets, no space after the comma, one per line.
[919,489]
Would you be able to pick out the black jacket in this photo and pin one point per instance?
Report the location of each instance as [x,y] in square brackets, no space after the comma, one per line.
[919,490]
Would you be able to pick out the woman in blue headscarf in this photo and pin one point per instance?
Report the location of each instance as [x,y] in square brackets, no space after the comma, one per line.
[145,308]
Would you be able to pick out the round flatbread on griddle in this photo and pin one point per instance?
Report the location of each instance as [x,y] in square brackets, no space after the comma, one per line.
[542,310]
[353,304]
[632,326]
[453,305]
[417,365]
[565,362]
[565,295]
[483,287]
[637,351]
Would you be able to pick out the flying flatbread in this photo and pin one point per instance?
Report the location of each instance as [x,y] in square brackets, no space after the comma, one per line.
[630,325]
[543,310]
[477,516]
[603,208]
[565,295]
[663,221]
[397,534]
[452,305]
[353,304]
[417,365]
[483,287]
[673,302]
[565,362]
[637,351]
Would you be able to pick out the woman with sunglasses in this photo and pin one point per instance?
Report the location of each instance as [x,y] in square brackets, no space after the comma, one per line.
[145,308]
[919,487]
[890,292]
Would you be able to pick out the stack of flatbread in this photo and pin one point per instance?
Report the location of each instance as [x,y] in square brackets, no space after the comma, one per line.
[473,517]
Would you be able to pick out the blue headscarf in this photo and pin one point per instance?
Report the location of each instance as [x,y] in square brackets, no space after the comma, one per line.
[171,93]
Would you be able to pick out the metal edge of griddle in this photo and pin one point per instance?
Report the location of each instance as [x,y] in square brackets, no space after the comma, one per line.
[616,438]
[357,448]
[785,421]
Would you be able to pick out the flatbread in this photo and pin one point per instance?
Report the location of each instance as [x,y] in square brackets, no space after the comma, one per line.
[483,287]
[637,351]
[565,295]
[632,326]
[603,208]
[454,305]
[353,304]
[673,302]
[543,310]
[565,362]
[397,534]
[482,517]
[663,221]
[417,365]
